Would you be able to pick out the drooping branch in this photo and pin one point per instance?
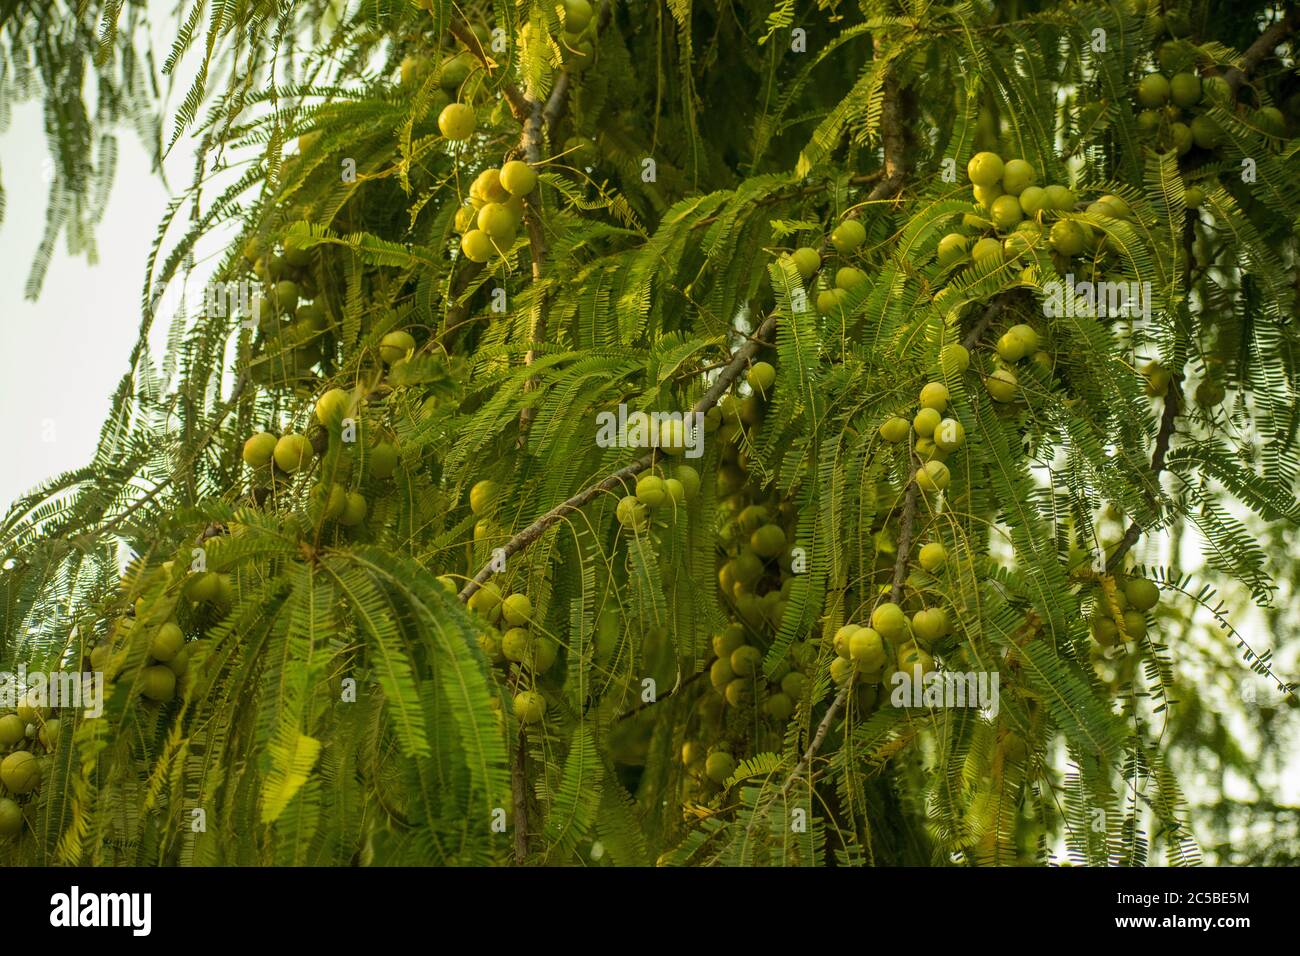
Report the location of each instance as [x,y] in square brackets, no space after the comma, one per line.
[523,539]
[1260,50]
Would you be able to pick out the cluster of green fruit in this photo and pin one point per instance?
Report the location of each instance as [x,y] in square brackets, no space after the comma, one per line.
[490,220]
[846,238]
[865,651]
[289,311]
[577,40]
[1122,603]
[1016,210]
[28,735]
[936,436]
[662,485]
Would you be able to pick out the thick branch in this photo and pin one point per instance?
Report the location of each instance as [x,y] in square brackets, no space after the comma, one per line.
[514,97]
[524,538]
[1261,49]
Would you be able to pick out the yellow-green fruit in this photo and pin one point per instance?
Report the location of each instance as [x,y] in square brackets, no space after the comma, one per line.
[1158,378]
[456,122]
[577,14]
[179,664]
[49,734]
[807,261]
[486,601]
[158,683]
[530,706]
[1033,200]
[395,345]
[332,500]
[516,645]
[476,245]
[482,496]
[987,195]
[1060,198]
[840,642]
[935,395]
[721,674]
[259,449]
[954,359]
[202,587]
[1104,631]
[631,513]
[841,669]
[794,685]
[952,248]
[672,437]
[894,429]
[166,642]
[1017,176]
[911,657]
[1135,624]
[354,512]
[1153,91]
[1120,208]
[12,730]
[487,187]
[768,541]
[286,295]
[848,236]
[745,660]
[518,178]
[293,452]
[926,449]
[929,625]
[926,421]
[950,435]
[466,218]
[497,222]
[740,692]
[1194,196]
[985,169]
[690,479]
[11,818]
[1002,385]
[719,766]
[1141,593]
[1067,238]
[19,772]
[933,556]
[867,649]
[849,278]
[932,476]
[1006,212]
[1206,133]
[383,460]
[779,706]
[728,641]
[650,491]
[761,376]
[693,754]
[889,621]
[987,250]
[517,609]
[831,300]
[542,657]
[333,405]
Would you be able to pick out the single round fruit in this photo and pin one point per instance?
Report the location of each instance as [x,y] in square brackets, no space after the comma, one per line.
[1135,624]
[676,491]
[912,658]
[926,421]
[1067,238]
[1209,393]
[1141,593]
[293,452]
[650,491]
[1017,342]
[1271,121]
[952,248]
[518,178]
[1185,89]
[761,377]
[1193,197]
[794,685]
[1148,121]
[1104,631]
[354,511]
[286,295]
[483,496]
[1153,91]
[1180,136]
[476,245]
[20,772]
[631,513]
[930,625]
[933,556]
[807,261]
[768,541]
[497,222]
[259,450]
[690,479]
[987,249]
[333,405]
[889,621]
[1017,176]
[841,670]
[1059,198]
[529,706]
[516,645]
[934,395]
[456,122]
[840,642]
[867,649]
[1158,378]
[168,640]
[721,674]
[1033,199]
[1002,385]
[950,435]
[779,706]
[719,766]
[1006,212]
[954,359]
[894,429]
[577,14]
[728,641]
[933,476]
[517,609]
[383,460]
[158,683]
[395,346]
[1206,133]
[11,818]
[49,733]
[848,236]
[987,195]
[985,169]
[745,660]
[849,278]
[1216,89]
[12,730]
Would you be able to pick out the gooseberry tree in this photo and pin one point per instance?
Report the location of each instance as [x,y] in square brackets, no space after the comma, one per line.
[937,339]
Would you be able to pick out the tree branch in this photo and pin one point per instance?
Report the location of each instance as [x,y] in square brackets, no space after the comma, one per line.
[1261,49]
[517,101]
